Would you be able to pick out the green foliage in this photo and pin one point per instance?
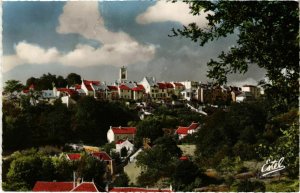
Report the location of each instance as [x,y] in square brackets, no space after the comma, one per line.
[93,119]
[25,170]
[283,186]
[109,146]
[91,169]
[159,161]
[149,128]
[251,186]
[184,174]
[27,167]
[63,169]
[229,165]
[46,124]
[46,81]
[73,79]
[121,180]
[285,144]
[231,133]
[12,86]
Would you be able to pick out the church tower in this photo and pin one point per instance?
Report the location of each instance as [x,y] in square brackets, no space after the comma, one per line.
[123,74]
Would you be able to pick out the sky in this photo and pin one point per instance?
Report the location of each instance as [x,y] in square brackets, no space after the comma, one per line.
[94,39]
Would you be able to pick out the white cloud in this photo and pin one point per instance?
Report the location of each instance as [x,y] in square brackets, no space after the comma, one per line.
[164,11]
[34,54]
[84,18]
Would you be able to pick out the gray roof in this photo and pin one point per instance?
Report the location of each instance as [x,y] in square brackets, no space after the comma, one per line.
[150,80]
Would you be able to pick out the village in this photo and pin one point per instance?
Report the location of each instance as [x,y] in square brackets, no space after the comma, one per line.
[120,159]
[148,89]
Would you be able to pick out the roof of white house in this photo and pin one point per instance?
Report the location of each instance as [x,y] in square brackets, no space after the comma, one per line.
[151,80]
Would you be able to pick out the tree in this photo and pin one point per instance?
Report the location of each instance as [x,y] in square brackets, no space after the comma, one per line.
[183,169]
[121,180]
[267,36]
[159,161]
[31,81]
[149,128]
[25,170]
[12,86]
[91,169]
[61,82]
[73,79]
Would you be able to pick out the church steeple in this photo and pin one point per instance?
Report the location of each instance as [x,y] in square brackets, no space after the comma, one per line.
[123,74]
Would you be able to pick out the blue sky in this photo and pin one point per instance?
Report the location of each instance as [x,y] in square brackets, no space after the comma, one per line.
[94,39]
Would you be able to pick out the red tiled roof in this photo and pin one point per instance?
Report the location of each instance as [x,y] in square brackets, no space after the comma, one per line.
[124,87]
[124,130]
[74,156]
[182,130]
[141,86]
[85,187]
[135,189]
[89,87]
[178,84]
[102,156]
[72,92]
[138,89]
[52,186]
[25,91]
[169,85]
[112,87]
[161,85]
[91,82]
[184,158]
[69,91]
[194,125]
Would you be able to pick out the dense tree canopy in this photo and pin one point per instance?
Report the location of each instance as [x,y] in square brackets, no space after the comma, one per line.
[46,81]
[73,78]
[12,86]
[46,124]
[267,36]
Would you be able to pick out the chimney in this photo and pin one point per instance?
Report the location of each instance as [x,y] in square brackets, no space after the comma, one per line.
[120,127]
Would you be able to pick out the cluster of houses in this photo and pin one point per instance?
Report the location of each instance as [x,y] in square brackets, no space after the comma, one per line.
[123,137]
[150,89]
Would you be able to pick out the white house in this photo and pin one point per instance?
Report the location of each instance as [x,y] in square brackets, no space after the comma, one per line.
[127,144]
[254,90]
[187,94]
[151,87]
[87,88]
[120,133]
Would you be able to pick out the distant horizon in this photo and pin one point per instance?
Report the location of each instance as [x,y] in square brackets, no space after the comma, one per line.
[239,84]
